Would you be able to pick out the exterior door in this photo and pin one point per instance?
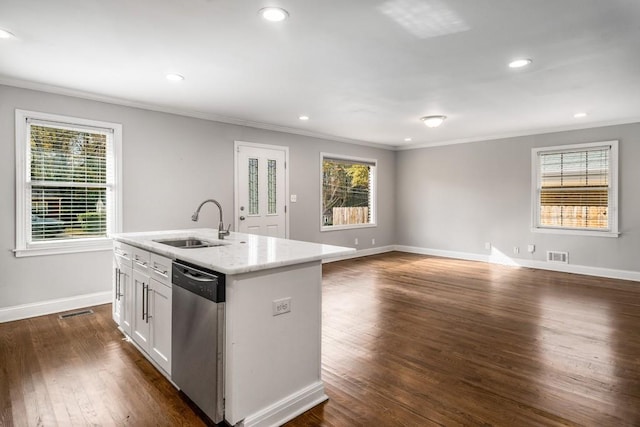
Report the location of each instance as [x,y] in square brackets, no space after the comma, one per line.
[261,189]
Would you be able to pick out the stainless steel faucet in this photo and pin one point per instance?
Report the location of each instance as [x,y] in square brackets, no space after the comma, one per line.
[221,231]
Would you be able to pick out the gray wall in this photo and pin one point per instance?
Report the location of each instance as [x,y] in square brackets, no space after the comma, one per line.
[458,197]
[170,164]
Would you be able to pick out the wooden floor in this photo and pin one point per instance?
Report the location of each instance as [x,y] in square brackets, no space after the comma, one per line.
[408,340]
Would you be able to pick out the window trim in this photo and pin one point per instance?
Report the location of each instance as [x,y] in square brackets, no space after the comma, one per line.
[23,247]
[613,193]
[374,191]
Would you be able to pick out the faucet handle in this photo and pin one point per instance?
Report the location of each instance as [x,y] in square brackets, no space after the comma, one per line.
[222,232]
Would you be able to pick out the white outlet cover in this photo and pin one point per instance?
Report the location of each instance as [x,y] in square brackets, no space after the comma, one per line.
[281,306]
[294,198]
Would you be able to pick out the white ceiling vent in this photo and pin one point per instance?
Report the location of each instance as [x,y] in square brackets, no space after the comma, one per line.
[555,256]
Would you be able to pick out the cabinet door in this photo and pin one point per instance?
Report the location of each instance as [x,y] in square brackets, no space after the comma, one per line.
[140,259]
[122,285]
[126,298]
[160,320]
[140,321]
[160,268]
[117,302]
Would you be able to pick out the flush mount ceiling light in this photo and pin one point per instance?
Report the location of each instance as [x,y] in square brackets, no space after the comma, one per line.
[407,140]
[273,14]
[519,63]
[4,34]
[433,121]
[174,77]
[303,118]
[580,115]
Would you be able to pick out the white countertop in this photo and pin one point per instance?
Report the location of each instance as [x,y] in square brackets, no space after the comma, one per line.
[240,253]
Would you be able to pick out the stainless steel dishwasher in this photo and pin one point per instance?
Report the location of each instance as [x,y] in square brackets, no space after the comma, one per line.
[197,342]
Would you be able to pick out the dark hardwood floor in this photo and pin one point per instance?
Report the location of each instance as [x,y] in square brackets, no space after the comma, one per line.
[407,340]
[79,372]
[419,341]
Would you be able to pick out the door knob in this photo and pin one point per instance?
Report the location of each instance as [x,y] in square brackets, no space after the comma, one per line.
[242,218]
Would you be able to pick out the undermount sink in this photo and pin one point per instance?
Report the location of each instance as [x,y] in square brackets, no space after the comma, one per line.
[189,243]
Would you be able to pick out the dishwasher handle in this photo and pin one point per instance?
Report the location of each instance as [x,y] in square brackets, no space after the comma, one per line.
[200,281]
[199,277]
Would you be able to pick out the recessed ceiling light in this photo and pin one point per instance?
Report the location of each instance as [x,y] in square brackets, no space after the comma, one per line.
[4,34]
[519,63]
[407,140]
[304,118]
[175,77]
[433,121]
[580,115]
[274,14]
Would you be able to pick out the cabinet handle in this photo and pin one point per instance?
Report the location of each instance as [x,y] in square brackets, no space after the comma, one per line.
[120,274]
[116,276]
[142,263]
[148,290]
[164,273]
[144,287]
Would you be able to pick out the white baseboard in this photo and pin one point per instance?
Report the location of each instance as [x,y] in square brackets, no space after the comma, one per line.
[287,408]
[361,253]
[41,308]
[519,262]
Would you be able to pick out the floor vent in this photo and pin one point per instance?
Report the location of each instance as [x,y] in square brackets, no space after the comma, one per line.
[76,313]
[555,256]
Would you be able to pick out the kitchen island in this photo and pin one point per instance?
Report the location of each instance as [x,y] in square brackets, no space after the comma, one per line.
[272,326]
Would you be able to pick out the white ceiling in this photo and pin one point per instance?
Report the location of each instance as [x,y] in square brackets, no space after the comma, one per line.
[363,70]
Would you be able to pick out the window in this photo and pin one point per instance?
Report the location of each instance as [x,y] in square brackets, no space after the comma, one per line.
[348,192]
[67,183]
[575,189]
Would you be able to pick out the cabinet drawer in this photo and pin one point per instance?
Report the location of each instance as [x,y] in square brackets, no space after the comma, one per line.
[122,251]
[160,269]
[141,259]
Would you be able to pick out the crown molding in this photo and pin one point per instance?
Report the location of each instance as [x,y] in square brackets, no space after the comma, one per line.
[517,134]
[58,90]
[43,87]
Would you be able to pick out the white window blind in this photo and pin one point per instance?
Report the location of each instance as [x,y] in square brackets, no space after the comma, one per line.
[575,189]
[69,188]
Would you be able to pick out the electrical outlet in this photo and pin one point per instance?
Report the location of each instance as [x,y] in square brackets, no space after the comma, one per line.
[531,248]
[487,245]
[294,198]
[281,306]
[355,241]
[516,250]
[373,242]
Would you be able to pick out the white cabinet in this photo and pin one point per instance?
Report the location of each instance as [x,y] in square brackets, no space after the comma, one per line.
[160,322]
[159,311]
[149,302]
[122,286]
[140,329]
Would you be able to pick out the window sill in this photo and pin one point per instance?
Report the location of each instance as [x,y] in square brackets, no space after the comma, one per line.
[103,244]
[572,232]
[346,227]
